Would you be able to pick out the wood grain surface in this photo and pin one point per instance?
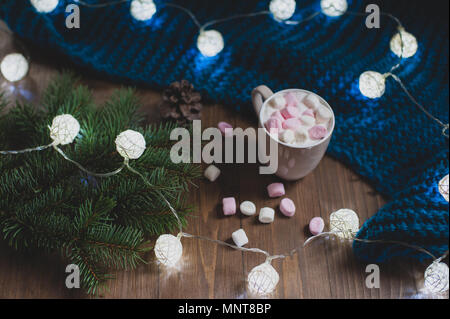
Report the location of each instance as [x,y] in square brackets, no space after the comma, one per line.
[325,269]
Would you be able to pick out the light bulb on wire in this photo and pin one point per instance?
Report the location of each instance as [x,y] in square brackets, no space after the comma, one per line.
[44,6]
[142,10]
[404,44]
[334,8]
[168,250]
[210,42]
[282,9]
[372,84]
[14,67]
[262,280]
[436,278]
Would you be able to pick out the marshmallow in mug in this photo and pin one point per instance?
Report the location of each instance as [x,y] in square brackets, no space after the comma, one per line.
[301,118]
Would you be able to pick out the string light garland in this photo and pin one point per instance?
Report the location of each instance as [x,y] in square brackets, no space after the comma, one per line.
[282,9]
[44,6]
[14,67]
[262,279]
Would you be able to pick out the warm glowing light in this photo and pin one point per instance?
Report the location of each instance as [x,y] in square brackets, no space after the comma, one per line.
[404,44]
[130,144]
[142,9]
[282,9]
[263,279]
[64,129]
[372,84]
[345,223]
[14,67]
[334,8]
[210,42]
[44,6]
[168,250]
[436,278]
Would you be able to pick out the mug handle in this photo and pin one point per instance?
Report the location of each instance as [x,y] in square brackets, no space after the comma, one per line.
[259,95]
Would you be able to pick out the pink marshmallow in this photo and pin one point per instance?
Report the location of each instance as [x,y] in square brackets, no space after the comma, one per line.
[290,112]
[272,123]
[308,112]
[292,124]
[229,206]
[291,99]
[316,226]
[317,132]
[277,115]
[224,125]
[287,207]
[275,190]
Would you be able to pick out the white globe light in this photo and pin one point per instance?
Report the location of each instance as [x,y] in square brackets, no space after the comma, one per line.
[344,223]
[44,6]
[14,67]
[409,47]
[142,9]
[334,8]
[130,144]
[210,42]
[443,187]
[436,278]
[168,250]
[372,84]
[64,129]
[282,9]
[262,280]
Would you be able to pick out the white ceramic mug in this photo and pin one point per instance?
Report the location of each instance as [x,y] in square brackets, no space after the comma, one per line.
[294,162]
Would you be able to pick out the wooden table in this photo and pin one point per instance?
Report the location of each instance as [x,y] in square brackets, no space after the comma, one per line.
[325,269]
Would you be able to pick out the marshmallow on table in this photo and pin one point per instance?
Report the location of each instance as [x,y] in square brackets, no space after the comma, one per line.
[229,206]
[308,120]
[275,190]
[291,124]
[224,125]
[247,208]
[312,101]
[316,225]
[317,132]
[288,136]
[239,237]
[266,215]
[323,115]
[278,102]
[290,112]
[212,172]
[287,207]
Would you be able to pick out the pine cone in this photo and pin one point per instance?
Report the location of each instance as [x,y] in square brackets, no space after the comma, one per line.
[181,102]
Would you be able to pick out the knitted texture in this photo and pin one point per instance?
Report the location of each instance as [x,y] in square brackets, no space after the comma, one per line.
[388,141]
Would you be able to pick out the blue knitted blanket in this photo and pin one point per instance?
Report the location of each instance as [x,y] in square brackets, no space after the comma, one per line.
[387,140]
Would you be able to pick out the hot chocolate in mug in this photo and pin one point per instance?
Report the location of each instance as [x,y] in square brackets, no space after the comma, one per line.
[294,161]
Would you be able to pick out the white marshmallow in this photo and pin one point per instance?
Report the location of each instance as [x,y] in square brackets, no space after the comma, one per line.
[288,136]
[239,237]
[312,101]
[278,102]
[308,120]
[266,215]
[269,111]
[302,108]
[212,172]
[247,208]
[301,135]
[300,96]
[323,114]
